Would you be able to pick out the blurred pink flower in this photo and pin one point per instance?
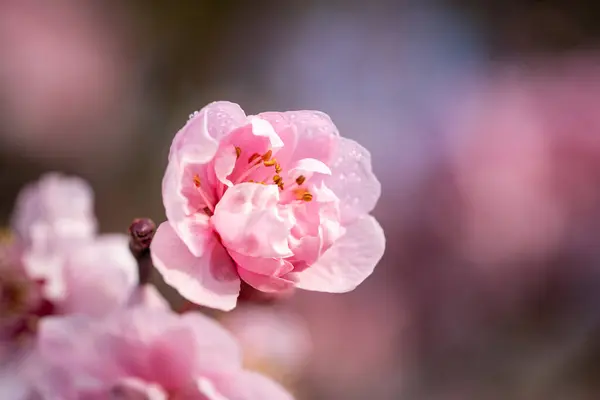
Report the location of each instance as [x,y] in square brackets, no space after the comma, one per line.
[82,272]
[54,264]
[503,163]
[274,341]
[146,353]
[279,200]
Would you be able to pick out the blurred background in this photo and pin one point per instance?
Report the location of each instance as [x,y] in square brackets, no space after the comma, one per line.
[482,118]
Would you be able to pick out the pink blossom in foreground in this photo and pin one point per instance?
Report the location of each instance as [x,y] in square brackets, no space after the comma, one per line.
[278,200]
[148,353]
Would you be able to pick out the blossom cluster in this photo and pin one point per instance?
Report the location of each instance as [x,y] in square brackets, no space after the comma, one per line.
[271,202]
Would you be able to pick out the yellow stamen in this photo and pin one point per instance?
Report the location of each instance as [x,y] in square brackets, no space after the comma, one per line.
[277,179]
[303,194]
[267,155]
[300,180]
[277,168]
[197,181]
[270,162]
[202,193]
[253,157]
[280,185]
[238,152]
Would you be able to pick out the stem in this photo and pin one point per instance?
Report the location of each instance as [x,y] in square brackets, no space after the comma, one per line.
[141,232]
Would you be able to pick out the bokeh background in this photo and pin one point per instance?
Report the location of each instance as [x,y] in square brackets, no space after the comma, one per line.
[483,120]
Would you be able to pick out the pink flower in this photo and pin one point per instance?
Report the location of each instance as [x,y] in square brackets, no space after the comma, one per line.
[275,341]
[278,200]
[148,353]
[81,271]
[56,265]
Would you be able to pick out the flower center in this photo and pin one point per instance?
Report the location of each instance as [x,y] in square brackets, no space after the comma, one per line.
[255,162]
[21,307]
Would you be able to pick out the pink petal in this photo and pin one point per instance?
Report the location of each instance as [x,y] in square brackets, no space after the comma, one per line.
[99,276]
[263,266]
[317,227]
[53,208]
[317,135]
[150,344]
[353,181]
[193,149]
[286,132]
[209,280]
[271,337]
[250,221]
[307,167]
[264,283]
[256,137]
[225,161]
[242,385]
[134,389]
[216,347]
[56,346]
[192,228]
[262,128]
[198,140]
[348,262]
[222,117]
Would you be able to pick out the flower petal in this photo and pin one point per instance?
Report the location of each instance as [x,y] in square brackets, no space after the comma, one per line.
[54,208]
[210,280]
[287,133]
[353,181]
[99,276]
[132,388]
[225,163]
[181,206]
[263,128]
[216,347]
[264,283]
[307,167]
[250,221]
[317,135]
[198,140]
[348,262]
[263,266]
[242,385]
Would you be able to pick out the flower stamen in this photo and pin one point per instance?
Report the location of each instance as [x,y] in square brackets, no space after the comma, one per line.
[300,180]
[256,158]
[303,194]
[253,157]
[198,185]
